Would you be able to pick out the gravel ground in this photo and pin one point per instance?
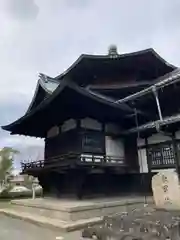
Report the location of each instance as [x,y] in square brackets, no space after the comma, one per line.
[4,204]
[15,229]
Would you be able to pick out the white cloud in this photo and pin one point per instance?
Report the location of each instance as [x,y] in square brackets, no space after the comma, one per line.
[17,141]
[20,9]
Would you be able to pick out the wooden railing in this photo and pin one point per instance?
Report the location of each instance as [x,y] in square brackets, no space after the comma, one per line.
[106,160]
[161,163]
[73,159]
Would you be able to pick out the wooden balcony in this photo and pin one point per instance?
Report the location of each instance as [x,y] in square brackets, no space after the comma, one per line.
[73,160]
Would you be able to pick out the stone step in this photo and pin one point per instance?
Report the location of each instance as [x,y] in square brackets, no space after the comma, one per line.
[68,214]
[45,212]
[65,226]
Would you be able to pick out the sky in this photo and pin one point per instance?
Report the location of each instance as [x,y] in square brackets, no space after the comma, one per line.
[49,35]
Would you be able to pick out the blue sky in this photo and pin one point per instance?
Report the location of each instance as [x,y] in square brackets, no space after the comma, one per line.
[48,35]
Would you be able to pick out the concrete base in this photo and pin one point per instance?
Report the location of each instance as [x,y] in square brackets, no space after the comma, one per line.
[72,214]
[50,222]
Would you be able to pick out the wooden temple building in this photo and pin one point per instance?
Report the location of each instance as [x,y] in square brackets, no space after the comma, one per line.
[109,123]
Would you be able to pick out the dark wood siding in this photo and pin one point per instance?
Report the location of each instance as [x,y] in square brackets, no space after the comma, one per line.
[64,143]
[131,154]
[75,141]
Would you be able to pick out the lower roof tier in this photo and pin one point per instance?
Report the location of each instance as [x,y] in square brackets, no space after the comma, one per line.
[69,101]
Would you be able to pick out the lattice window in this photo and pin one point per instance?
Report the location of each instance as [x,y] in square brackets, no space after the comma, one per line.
[161,155]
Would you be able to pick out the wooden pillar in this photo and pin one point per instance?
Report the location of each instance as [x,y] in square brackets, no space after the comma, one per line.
[147,155]
[81,183]
[150,173]
[145,177]
[176,157]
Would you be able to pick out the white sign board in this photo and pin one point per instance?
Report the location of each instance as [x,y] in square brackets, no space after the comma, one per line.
[166,189]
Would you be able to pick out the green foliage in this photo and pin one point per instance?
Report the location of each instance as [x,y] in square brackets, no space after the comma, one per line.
[6,163]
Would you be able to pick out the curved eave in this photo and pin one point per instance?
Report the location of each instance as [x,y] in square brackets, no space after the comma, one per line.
[162,59]
[41,92]
[120,56]
[81,91]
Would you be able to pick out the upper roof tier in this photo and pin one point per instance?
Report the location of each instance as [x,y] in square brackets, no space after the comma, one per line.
[146,64]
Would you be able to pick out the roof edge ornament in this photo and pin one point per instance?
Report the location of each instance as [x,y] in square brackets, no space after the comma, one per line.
[112,51]
[46,79]
[43,77]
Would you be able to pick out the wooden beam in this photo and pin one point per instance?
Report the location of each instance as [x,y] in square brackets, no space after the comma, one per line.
[154,124]
[161,82]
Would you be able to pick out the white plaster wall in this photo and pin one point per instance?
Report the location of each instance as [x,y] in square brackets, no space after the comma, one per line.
[114,147]
[90,123]
[142,159]
[140,142]
[54,131]
[112,128]
[68,125]
[177,135]
[157,138]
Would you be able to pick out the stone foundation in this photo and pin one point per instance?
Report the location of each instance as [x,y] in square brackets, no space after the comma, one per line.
[73,210]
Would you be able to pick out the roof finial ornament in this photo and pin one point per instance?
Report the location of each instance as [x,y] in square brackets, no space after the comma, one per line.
[112,51]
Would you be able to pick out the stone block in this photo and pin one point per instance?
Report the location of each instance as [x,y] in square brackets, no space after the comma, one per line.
[166,190]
